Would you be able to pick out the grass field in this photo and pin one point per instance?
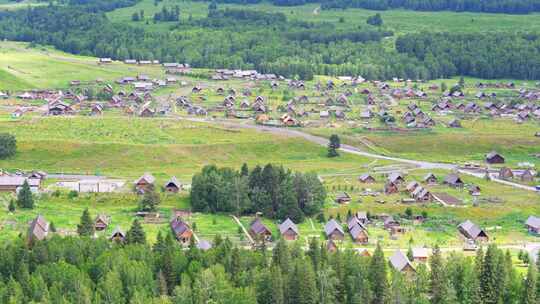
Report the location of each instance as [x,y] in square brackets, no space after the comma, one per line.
[22,68]
[399,21]
[126,147]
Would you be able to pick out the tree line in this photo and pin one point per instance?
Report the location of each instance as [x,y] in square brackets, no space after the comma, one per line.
[276,192]
[85,270]
[270,43]
[492,6]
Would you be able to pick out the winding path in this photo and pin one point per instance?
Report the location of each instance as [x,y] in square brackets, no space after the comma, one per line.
[354,150]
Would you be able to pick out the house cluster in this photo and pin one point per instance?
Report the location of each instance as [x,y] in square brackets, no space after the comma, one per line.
[12,182]
[147,180]
[143,83]
[416,118]
[525,175]
[225,74]
[176,68]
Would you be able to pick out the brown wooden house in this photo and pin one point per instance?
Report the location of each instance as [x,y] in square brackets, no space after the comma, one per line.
[494,158]
[39,229]
[101,222]
[289,230]
[334,231]
[118,235]
[144,182]
[181,230]
[173,185]
[470,231]
[259,231]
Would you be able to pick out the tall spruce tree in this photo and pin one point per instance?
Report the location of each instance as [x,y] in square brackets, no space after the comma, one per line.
[24,197]
[86,225]
[438,277]
[135,234]
[378,276]
[529,287]
[333,145]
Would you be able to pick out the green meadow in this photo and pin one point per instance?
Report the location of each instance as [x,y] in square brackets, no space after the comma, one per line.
[121,146]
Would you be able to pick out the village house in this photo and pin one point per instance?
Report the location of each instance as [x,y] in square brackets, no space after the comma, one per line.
[9,183]
[454,123]
[144,182]
[173,185]
[396,178]
[334,231]
[390,222]
[181,230]
[259,231]
[420,254]
[411,186]
[118,235]
[105,60]
[288,230]
[97,109]
[527,176]
[390,188]
[39,229]
[474,190]
[101,222]
[343,198]
[506,173]
[359,234]
[470,231]
[362,217]
[430,179]
[366,179]
[494,158]
[59,108]
[533,224]
[401,263]
[453,180]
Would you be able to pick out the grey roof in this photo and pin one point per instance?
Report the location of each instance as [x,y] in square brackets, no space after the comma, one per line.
[470,229]
[395,176]
[8,180]
[117,230]
[149,178]
[204,245]
[533,221]
[258,227]
[286,225]
[331,226]
[356,230]
[362,215]
[492,154]
[452,179]
[399,261]
[429,175]
[39,228]
[365,176]
[173,181]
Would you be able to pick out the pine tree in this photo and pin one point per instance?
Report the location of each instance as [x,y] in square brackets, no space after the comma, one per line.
[529,287]
[333,145]
[86,226]
[410,254]
[378,276]
[24,197]
[150,200]
[244,171]
[490,276]
[438,277]
[11,206]
[135,234]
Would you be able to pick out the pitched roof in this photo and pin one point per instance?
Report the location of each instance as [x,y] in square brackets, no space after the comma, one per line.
[395,176]
[39,228]
[399,261]
[286,225]
[117,230]
[258,227]
[533,221]
[356,230]
[174,182]
[149,178]
[179,226]
[331,226]
[8,180]
[452,179]
[470,229]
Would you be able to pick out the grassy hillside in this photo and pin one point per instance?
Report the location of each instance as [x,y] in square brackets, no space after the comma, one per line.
[22,67]
[127,147]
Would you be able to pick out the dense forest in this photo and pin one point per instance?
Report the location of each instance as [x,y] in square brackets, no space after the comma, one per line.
[85,270]
[270,43]
[272,190]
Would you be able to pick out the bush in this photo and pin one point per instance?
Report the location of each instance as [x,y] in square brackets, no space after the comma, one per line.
[73,194]
[8,145]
